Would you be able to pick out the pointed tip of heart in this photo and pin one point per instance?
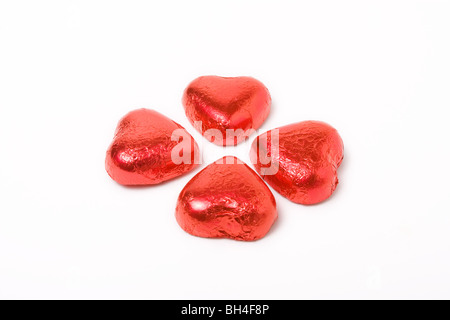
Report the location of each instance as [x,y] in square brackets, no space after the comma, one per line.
[226,110]
[149,148]
[227,199]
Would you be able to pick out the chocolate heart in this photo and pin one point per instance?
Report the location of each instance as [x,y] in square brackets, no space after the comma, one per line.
[300,161]
[226,110]
[227,200]
[149,148]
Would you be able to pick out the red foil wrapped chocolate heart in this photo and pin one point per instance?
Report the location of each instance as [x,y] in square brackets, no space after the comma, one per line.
[226,110]
[300,161]
[149,148]
[226,200]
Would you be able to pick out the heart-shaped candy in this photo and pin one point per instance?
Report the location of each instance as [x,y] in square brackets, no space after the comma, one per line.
[149,148]
[227,200]
[300,161]
[226,110]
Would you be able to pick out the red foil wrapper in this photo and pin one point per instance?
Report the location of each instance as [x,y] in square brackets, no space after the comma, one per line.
[149,148]
[226,200]
[226,110]
[307,158]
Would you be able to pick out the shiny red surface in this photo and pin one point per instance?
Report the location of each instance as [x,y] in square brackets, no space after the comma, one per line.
[141,152]
[309,155]
[227,200]
[240,103]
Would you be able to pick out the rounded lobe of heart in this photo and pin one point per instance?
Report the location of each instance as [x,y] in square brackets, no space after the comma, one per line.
[308,157]
[239,105]
[226,200]
[141,152]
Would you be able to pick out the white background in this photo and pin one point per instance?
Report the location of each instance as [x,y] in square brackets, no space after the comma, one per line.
[378,71]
